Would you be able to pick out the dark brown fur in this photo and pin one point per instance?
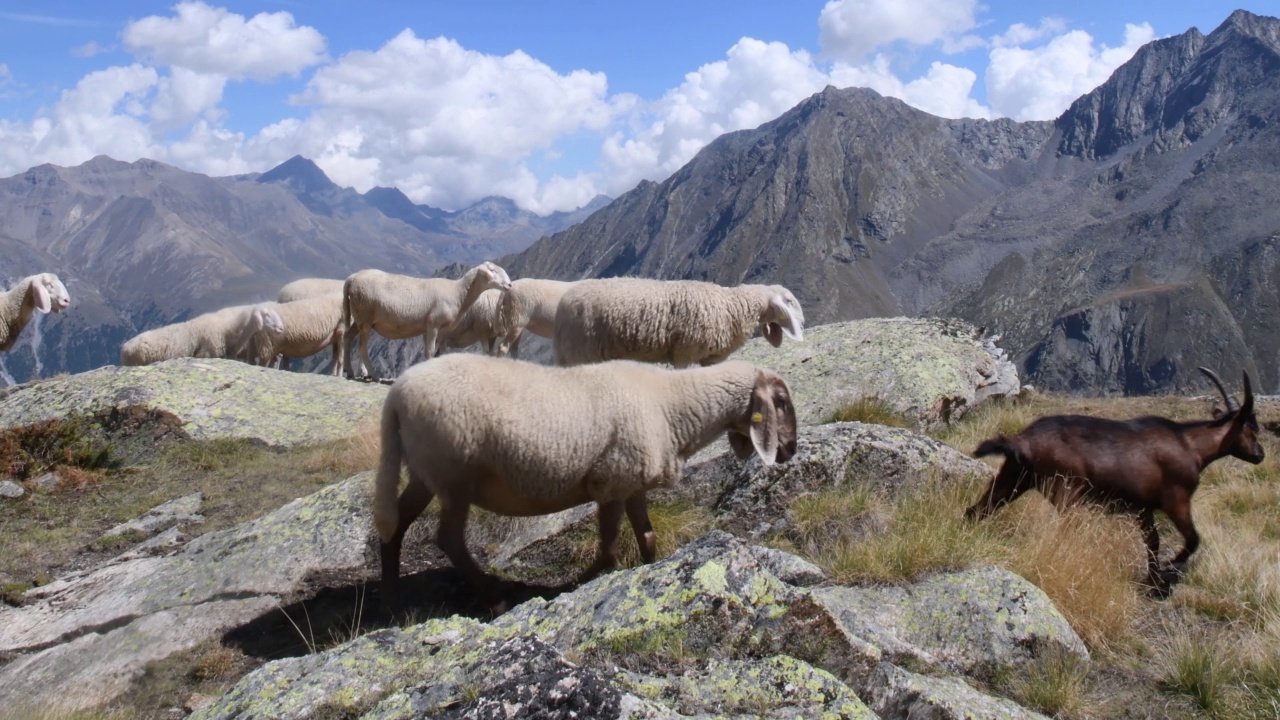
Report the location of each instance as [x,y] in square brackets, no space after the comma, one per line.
[1133,466]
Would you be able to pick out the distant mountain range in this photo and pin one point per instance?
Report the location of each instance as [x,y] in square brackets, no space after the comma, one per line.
[143,244]
[1115,248]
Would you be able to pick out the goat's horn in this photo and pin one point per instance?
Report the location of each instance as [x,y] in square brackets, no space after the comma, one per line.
[1231,404]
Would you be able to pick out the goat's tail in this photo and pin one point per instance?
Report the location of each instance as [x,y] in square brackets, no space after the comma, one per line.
[386,511]
[999,445]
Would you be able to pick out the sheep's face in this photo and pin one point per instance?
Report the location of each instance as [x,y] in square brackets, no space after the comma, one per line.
[268,321]
[493,277]
[49,294]
[782,316]
[770,427]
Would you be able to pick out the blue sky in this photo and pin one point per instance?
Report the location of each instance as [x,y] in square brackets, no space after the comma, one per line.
[547,103]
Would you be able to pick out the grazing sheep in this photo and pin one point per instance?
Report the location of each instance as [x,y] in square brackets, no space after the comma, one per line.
[309,288]
[529,304]
[1133,466]
[401,306]
[479,324]
[40,293]
[521,439]
[222,333]
[681,322]
[310,325]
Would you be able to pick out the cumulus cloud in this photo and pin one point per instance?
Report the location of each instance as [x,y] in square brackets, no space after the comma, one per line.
[1021,34]
[944,91]
[215,41]
[1039,83]
[851,29]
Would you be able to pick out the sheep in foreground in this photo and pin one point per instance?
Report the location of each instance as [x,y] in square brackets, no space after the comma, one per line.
[401,306]
[310,325]
[42,293]
[521,439]
[530,305]
[224,333]
[479,324]
[1134,466]
[309,288]
[681,322]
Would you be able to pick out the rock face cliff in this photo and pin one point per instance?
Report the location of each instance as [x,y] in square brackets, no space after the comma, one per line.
[1115,248]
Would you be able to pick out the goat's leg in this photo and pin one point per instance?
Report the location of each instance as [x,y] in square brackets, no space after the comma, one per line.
[1178,508]
[638,515]
[1008,485]
[415,498]
[609,515]
[1147,523]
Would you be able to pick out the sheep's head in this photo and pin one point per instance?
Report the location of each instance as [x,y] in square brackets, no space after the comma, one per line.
[268,321]
[490,276]
[47,293]
[783,315]
[770,426]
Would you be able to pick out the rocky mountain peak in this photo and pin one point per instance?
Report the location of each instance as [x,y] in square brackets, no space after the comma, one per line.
[301,174]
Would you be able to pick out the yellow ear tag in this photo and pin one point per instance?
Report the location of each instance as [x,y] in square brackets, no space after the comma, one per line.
[757,417]
[782,314]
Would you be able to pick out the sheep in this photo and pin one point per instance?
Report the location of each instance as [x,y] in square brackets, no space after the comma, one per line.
[309,288]
[495,432]
[310,325]
[401,306]
[222,333]
[479,324]
[530,305]
[42,293]
[674,321]
[1133,466]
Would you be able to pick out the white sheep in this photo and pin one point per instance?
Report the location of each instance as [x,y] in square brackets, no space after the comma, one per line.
[681,322]
[530,305]
[42,293]
[522,439]
[310,325]
[479,324]
[308,288]
[222,333]
[402,306]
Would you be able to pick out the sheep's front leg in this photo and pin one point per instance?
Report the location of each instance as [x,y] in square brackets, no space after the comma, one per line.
[638,514]
[429,342]
[609,515]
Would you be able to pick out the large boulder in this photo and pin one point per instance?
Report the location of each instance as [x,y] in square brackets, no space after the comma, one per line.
[212,398]
[931,370]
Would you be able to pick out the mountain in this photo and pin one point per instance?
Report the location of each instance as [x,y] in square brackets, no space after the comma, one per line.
[143,244]
[1115,248]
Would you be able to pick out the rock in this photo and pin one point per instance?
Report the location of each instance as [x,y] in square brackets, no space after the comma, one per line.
[898,693]
[161,517]
[752,499]
[47,481]
[931,371]
[163,544]
[788,568]
[214,398]
[11,489]
[969,622]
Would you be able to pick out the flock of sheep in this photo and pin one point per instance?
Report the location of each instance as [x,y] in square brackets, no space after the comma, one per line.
[607,423]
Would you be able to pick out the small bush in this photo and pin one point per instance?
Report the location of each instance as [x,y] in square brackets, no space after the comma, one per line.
[30,450]
[870,409]
[1056,685]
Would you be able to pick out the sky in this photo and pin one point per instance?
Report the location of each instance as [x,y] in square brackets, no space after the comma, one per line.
[547,103]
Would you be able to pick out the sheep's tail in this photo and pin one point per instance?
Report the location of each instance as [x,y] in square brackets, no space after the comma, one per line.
[1000,445]
[386,512]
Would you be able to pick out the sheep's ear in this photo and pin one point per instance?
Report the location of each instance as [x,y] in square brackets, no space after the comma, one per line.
[39,297]
[764,421]
[741,446]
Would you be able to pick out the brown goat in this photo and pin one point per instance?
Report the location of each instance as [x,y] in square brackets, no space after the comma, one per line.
[1134,466]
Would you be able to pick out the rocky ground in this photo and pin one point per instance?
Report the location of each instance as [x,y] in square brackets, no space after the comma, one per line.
[218,603]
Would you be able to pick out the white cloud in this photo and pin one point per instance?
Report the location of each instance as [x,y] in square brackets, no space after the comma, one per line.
[5,76]
[1039,83]
[943,91]
[851,29]
[1021,34]
[89,49]
[215,41]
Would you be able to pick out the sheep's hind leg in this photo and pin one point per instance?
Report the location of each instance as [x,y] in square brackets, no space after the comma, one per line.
[609,515]
[451,537]
[415,498]
[638,514]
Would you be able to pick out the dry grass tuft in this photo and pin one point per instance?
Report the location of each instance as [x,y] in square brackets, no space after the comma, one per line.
[1056,684]
[870,409]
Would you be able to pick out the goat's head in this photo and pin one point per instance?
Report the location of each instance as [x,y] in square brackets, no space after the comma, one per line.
[1241,440]
[769,428]
[782,315]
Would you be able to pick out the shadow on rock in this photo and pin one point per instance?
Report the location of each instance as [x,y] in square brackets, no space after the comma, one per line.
[339,613]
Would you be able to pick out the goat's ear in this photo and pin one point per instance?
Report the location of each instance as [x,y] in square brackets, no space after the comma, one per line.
[764,421]
[39,296]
